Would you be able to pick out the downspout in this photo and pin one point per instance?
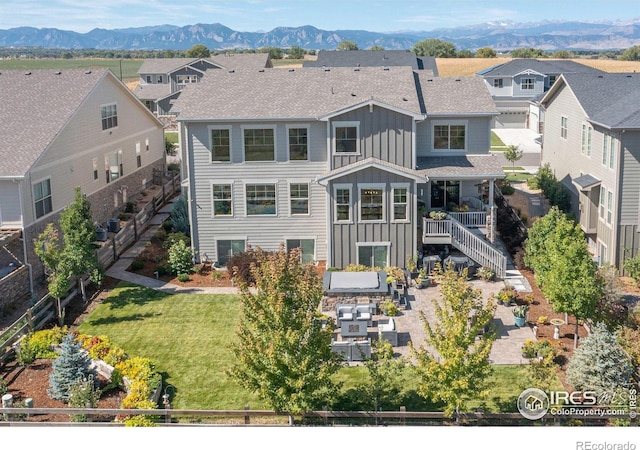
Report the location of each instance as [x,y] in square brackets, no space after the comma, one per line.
[182,130]
[24,238]
[329,202]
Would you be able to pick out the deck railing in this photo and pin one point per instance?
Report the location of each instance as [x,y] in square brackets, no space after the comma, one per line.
[471,219]
[476,248]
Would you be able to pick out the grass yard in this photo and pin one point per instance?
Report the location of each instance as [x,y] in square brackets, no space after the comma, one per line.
[187,336]
[171,136]
[517,176]
[129,66]
[496,143]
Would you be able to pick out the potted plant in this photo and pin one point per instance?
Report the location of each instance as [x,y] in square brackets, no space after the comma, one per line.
[438,215]
[412,263]
[486,273]
[520,314]
[389,308]
[423,279]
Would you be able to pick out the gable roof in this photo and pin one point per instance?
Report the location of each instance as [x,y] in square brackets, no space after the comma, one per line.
[373,58]
[453,96]
[547,67]
[366,163]
[608,99]
[464,166]
[35,106]
[307,93]
[227,61]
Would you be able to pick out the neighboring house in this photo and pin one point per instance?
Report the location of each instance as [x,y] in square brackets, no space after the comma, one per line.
[342,162]
[162,79]
[518,84]
[373,58]
[592,143]
[59,130]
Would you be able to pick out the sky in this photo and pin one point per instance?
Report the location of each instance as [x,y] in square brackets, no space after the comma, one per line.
[265,15]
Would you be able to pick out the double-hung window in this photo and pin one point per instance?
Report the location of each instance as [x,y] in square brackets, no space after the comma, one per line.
[222,200]
[400,203]
[449,136]
[528,84]
[346,137]
[42,198]
[609,206]
[612,153]
[497,83]
[259,144]
[138,155]
[342,203]
[603,196]
[261,199]
[221,145]
[605,149]
[299,198]
[372,203]
[298,144]
[563,126]
[109,114]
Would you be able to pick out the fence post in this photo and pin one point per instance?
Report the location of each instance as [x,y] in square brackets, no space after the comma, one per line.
[403,410]
[164,196]
[247,419]
[30,319]
[325,418]
[115,252]
[135,227]
[7,402]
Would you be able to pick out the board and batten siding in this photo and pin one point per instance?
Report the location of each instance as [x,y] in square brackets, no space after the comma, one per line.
[402,235]
[538,87]
[630,178]
[505,91]
[384,134]
[478,136]
[264,231]
[10,214]
[68,161]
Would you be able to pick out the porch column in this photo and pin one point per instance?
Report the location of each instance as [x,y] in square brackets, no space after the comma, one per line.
[492,215]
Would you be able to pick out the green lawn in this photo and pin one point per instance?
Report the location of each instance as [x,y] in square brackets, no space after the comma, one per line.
[187,336]
[171,136]
[518,176]
[129,66]
[496,143]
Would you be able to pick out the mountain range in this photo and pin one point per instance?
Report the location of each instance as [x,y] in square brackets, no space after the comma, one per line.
[501,36]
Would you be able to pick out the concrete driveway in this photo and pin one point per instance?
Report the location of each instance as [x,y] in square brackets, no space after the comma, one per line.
[525,139]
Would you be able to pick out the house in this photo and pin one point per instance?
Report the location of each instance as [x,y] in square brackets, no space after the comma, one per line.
[62,129]
[592,143]
[342,162]
[373,58]
[162,79]
[517,85]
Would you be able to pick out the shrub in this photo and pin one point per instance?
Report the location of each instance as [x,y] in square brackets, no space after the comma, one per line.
[180,216]
[173,167]
[180,258]
[216,275]
[167,225]
[71,366]
[172,238]
[184,277]
[83,394]
[542,320]
[137,265]
[3,386]
[139,421]
[486,273]
[163,270]
[539,349]
[25,354]
[632,267]
[389,309]
[507,189]
[38,345]
[198,268]
[240,266]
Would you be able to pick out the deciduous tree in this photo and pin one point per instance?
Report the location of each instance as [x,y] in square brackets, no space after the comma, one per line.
[347,45]
[485,52]
[198,51]
[283,353]
[435,47]
[48,248]
[458,371]
[513,154]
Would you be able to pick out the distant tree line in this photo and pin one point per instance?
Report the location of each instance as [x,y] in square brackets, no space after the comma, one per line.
[428,47]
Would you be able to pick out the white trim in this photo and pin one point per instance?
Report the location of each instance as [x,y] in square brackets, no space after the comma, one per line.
[259,126]
[345,124]
[449,123]
[104,105]
[273,183]
[395,186]
[600,243]
[289,183]
[33,197]
[382,187]
[210,128]
[288,127]
[370,103]
[335,203]
[217,182]
[566,130]
[357,167]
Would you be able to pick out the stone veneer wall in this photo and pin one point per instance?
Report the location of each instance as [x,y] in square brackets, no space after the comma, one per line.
[14,287]
[102,208]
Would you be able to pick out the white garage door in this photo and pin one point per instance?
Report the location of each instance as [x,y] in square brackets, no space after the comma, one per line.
[511,120]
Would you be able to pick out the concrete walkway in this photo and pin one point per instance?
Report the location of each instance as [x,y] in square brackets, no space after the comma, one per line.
[525,139]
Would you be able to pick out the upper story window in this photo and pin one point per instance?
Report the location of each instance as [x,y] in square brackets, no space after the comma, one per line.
[138,155]
[95,168]
[449,136]
[528,84]
[497,83]
[552,79]
[222,204]
[160,79]
[609,206]
[372,203]
[298,144]
[563,127]
[612,153]
[342,203]
[109,114]
[586,140]
[261,199]
[186,79]
[221,145]
[346,137]
[259,144]
[42,198]
[149,79]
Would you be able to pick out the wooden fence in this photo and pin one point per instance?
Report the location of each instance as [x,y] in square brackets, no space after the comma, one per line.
[13,416]
[130,232]
[45,310]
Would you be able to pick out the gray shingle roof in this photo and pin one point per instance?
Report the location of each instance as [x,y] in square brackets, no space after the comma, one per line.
[547,67]
[369,162]
[295,93]
[35,108]
[585,182]
[152,91]
[610,99]
[228,61]
[455,95]
[461,166]
[371,58]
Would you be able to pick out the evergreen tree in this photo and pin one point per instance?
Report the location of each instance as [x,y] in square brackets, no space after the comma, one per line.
[599,364]
[283,354]
[459,369]
[70,367]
